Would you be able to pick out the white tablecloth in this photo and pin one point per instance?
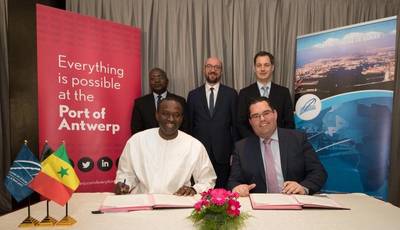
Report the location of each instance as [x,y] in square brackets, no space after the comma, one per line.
[366,213]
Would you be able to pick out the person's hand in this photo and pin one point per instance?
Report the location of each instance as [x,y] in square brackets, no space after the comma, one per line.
[121,188]
[243,189]
[292,187]
[185,191]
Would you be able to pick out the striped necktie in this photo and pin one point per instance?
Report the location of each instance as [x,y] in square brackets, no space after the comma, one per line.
[159,98]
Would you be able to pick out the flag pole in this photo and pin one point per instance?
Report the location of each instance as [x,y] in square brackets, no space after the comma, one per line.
[67,220]
[29,220]
[48,220]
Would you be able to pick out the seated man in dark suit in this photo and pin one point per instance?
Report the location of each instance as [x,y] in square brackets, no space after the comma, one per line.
[143,115]
[278,95]
[274,160]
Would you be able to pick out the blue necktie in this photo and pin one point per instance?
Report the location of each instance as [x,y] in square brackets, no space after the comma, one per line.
[265,91]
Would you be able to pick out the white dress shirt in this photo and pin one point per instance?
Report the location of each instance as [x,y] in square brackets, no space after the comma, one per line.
[208,92]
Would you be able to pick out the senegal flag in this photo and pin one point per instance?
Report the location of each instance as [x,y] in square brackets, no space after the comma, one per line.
[57,179]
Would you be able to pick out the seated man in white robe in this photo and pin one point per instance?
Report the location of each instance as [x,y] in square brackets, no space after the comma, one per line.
[163,160]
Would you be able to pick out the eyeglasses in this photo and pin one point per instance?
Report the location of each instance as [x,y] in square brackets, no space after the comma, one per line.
[263,114]
[216,67]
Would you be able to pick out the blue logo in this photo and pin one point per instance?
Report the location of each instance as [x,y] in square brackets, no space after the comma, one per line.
[308,106]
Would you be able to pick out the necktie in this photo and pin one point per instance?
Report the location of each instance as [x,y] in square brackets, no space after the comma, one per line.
[159,97]
[270,172]
[264,91]
[211,101]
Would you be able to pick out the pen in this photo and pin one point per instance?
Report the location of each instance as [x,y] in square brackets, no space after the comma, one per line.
[124,187]
[97,212]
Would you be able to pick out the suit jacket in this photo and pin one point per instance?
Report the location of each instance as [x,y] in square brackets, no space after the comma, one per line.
[144,110]
[280,99]
[298,160]
[217,132]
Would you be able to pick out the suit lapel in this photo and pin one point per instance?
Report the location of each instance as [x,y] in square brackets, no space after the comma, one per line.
[255,92]
[283,150]
[152,103]
[203,99]
[151,110]
[220,99]
[255,151]
[272,93]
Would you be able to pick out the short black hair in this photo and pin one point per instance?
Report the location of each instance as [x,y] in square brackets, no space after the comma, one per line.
[264,53]
[255,100]
[171,98]
[163,73]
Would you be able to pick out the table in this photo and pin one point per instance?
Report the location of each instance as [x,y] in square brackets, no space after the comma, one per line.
[366,213]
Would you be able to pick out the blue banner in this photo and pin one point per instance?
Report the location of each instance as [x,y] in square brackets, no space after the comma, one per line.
[344,94]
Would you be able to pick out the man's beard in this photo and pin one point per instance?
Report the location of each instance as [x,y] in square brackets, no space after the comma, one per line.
[212,81]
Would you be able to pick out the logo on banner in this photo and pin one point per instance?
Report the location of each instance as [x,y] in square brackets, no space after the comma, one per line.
[104,164]
[308,107]
[85,164]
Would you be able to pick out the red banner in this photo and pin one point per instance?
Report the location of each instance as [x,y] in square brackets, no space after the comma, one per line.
[88,77]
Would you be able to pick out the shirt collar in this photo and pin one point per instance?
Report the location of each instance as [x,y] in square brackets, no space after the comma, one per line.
[259,84]
[216,87]
[274,136]
[163,95]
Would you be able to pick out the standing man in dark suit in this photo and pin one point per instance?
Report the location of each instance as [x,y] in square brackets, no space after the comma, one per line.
[143,115]
[274,160]
[278,95]
[212,118]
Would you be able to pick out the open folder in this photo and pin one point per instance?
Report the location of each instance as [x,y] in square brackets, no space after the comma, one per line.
[135,202]
[291,202]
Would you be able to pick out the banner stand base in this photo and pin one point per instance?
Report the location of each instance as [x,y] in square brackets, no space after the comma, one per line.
[28,222]
[47,221]
[66,221]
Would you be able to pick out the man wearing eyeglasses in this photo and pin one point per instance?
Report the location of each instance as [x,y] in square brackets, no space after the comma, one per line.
[274,160]
[163,160]
[278,95]
[212,118]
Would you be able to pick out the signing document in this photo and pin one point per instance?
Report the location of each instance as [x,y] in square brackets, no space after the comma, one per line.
[284,201]
[136,202]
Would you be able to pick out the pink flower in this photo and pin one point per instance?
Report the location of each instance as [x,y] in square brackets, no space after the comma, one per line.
[218,196]
[205,193]
[206,203]
[198,205]
[233,208]
[234,195]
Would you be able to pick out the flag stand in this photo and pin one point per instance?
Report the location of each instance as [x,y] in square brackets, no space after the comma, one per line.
[48,220]
[66,220]
[29,221]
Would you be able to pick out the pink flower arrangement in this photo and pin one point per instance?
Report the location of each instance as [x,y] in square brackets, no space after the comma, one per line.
[218,209]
